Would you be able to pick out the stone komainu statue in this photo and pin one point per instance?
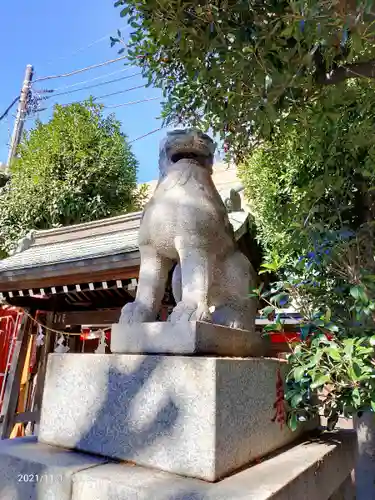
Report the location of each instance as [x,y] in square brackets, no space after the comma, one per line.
[186,222]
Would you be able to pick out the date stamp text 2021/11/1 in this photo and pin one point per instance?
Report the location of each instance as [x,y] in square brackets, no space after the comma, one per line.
[39,478]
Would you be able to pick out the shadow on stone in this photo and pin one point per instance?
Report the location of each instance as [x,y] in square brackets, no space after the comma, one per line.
[113,426]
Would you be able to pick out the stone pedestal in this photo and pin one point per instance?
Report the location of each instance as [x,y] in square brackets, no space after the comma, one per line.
[202,417]
[192,337]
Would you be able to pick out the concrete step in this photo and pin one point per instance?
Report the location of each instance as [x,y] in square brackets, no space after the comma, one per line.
[35,471]
[313,470]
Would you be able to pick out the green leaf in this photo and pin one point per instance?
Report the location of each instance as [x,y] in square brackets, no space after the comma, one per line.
[333,353]
[305,331]
[298,373]
[332,328]
[372,340]
[373,405]
[348,347]
[274,327]
[268,310]
[295,400]
[356,41]
[358,366]
[288,31]
[356,397]
[125,12]
[292,422]
[315,359]
[269,267]
[328,315]
[358,293]
[320,381]
[280,297]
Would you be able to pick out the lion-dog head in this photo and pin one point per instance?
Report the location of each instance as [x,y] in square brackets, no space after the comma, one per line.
[186,144]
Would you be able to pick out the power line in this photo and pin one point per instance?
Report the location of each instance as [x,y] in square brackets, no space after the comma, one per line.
[63,87]
[131,102]
[99,97]
[119,92]
[64,75]
[91,44]
[112,106]
[146,135]
[93,86]
[9,107]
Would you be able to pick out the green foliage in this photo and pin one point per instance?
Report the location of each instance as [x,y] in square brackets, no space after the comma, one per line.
[78,167]
[317,174]
[332,368]
[141,196]
[341,371]
[234,65]
[311,191]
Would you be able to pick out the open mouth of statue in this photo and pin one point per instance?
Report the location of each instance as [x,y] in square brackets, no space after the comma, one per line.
[185,155]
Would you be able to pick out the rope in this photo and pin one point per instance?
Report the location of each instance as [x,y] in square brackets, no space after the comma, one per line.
[59,332]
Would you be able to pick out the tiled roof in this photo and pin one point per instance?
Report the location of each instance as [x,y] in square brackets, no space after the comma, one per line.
[114,236]
[69,251]
[104,238]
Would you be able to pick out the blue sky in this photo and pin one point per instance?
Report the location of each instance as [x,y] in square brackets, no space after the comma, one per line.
[48,36]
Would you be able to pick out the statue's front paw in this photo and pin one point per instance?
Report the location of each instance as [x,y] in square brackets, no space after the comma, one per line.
[181,312]
[232,318]
[202,313]
[189,312]
[134,312]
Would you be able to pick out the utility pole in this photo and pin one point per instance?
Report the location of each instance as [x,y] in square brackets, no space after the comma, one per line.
[21,114]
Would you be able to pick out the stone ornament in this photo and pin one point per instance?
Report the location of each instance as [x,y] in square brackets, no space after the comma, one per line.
[186,222]
[233,201]
[102,344]
[24,243]
[60,347]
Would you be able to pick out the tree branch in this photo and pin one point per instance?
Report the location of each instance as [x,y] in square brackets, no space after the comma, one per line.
[342,73]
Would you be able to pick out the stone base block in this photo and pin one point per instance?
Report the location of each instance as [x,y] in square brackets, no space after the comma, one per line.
[35,471]
[310,471]
[192,337]
[201,417]
[313,470]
